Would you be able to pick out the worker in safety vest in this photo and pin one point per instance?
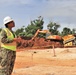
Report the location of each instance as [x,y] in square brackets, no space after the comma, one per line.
[8,47]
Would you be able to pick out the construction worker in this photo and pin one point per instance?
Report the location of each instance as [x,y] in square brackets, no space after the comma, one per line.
[8,47]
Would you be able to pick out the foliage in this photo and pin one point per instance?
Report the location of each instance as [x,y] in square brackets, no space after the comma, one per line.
[66,31]
[53,28]
[73,31]
[34,26]
[31,29]
[19,31]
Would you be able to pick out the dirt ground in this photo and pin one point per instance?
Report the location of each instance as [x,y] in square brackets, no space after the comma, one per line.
[45,62]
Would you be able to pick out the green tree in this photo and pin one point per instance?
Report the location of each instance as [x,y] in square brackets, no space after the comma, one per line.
[53,28]
[19,31]
[66,31]
[34,26]
[73,31]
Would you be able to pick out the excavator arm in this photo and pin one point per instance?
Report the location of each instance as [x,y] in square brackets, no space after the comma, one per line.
[40,31]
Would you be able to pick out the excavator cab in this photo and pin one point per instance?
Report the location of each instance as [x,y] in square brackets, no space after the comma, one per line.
[49,36]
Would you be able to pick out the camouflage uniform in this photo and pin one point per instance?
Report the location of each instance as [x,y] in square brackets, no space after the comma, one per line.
[7,57]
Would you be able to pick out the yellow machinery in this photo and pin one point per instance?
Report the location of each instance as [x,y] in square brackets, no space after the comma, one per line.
[69,40]
[49,36]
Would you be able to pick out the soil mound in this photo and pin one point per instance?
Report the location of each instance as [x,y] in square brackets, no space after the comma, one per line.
[38,43]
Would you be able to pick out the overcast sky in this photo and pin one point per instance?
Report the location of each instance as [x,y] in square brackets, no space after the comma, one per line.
[23,11]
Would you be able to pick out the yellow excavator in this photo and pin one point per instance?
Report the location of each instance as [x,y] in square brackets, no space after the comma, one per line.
[49,36]
[68,40]
[54,39]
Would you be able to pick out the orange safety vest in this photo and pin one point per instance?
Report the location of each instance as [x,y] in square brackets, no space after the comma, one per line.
[12,45]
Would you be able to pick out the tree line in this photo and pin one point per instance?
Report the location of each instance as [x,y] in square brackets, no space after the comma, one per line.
[38,23]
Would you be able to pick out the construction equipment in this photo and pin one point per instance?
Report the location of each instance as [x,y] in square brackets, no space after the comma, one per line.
[69,40]
[50,41]
[49,36]
[55,40]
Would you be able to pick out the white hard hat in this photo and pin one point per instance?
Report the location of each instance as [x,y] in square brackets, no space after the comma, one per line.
[7,20]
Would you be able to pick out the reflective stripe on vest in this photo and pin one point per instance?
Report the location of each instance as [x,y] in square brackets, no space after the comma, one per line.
[12,45]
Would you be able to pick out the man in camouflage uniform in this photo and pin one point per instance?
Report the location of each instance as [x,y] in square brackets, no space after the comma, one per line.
[7,50]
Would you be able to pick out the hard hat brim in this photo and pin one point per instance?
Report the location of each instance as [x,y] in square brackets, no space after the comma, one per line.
[8,21]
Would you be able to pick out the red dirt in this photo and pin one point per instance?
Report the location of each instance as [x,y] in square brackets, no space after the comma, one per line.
[38,43]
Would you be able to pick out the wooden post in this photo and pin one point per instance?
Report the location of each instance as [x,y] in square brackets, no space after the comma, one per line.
[54,50]
[32,57]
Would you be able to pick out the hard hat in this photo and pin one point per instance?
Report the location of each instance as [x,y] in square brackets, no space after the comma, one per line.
[7,20]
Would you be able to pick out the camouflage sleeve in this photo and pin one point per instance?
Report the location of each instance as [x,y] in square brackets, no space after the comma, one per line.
[4,38]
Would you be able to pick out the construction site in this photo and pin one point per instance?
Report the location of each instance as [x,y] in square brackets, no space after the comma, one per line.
[38,37]
[54,55]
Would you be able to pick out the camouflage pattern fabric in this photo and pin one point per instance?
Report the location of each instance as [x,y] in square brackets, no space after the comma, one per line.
[3,37]
[7,57]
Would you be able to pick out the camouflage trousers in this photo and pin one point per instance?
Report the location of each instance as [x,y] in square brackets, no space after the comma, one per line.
[7,59]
